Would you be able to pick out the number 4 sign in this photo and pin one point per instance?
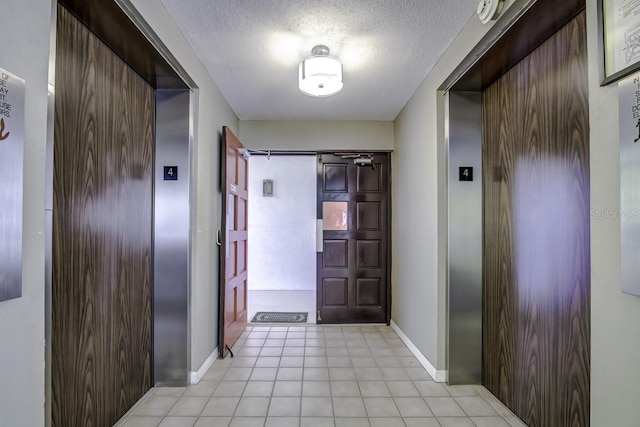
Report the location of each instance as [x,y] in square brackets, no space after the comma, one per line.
[465,173]
[170,173]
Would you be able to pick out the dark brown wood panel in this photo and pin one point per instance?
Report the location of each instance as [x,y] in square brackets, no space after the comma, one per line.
[369,181]
[536,308]
[540,21]
[368,293]
[110,23]
[336,254]
[369,254]
[102,222]
[499,297]
[335,292]
[335,178]
[353,275]
[369,216]
[527,34]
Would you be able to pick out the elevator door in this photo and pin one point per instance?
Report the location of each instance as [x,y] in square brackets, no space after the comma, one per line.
[352,268]
[536,278]
[102,222]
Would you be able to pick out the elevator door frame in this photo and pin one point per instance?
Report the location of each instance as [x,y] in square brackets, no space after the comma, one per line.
[527,24]
[176,97]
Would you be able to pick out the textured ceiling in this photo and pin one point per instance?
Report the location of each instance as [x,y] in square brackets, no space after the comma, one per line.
[252,49]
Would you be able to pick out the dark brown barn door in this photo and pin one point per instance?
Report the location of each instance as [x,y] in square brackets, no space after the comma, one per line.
[102,222]
[536,278]
[353,202]
[233,257]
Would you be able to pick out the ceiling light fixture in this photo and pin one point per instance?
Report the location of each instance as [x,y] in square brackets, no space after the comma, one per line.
[320,74]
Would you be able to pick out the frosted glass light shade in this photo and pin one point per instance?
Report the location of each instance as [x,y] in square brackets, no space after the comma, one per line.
[320,75]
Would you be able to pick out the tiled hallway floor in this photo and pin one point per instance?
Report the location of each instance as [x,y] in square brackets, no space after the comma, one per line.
[317,376]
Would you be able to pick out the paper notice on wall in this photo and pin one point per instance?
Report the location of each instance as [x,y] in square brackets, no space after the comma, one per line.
[626,24]
[12,92]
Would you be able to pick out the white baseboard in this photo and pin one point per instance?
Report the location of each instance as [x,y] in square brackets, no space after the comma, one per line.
[195,377]
[438,376]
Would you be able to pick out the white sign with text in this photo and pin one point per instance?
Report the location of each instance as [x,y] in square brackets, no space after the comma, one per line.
[12,94]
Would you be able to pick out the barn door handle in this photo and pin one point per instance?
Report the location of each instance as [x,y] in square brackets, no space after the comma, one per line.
[218,236]
[319,235]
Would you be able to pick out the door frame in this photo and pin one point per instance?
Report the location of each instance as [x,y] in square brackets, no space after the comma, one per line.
[267,152]
[285,153]
[156,64]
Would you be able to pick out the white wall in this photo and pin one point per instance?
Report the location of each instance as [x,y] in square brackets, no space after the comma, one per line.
[282,228]
[615,317]
[214,112]
[24,50]
[317,135]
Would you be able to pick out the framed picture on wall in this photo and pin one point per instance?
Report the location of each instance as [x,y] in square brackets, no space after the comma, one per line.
[619,22]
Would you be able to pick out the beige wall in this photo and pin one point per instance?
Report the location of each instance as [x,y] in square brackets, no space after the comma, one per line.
[24,50]
[615,317]
[419,223]
[213,113]
[419,219]
[419,204]
[317,135]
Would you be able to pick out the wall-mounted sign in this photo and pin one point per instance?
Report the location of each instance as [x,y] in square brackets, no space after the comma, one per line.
[465,173]
[629,214]
[619,23]
[12,90]
[267,188]
[170,173]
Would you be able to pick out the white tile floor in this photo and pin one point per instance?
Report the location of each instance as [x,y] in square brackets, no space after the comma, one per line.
[317,376]
[282,301]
